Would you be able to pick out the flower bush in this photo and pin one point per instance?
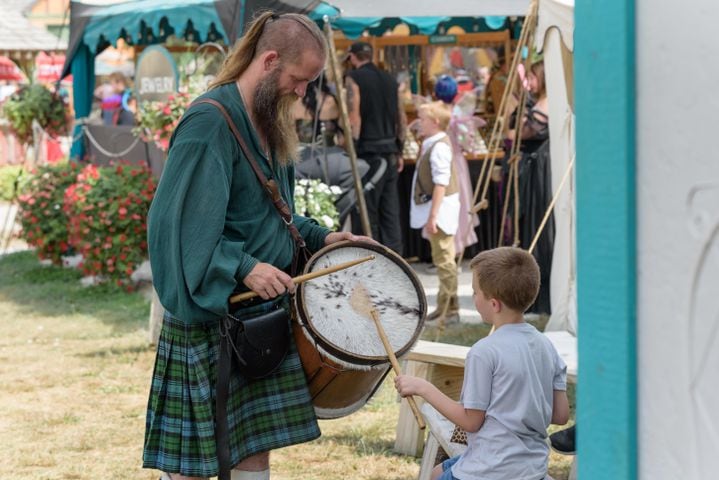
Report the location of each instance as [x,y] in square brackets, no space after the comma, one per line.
[157,120]
[317,200]
[44,222]
[35,102]
[107,210]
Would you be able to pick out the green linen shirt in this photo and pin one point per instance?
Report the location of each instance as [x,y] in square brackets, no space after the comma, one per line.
[211,221]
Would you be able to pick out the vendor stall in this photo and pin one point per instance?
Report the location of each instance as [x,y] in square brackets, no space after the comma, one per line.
[418,43]
[145,22]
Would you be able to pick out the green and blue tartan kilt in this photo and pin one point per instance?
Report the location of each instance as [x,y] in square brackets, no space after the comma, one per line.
[263,415]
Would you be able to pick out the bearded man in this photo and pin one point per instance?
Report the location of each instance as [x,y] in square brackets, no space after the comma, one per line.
[213,231]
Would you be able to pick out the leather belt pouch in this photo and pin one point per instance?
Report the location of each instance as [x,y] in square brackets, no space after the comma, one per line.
[260,343]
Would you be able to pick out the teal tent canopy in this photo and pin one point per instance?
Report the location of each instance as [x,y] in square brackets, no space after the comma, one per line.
[354,27]
[143,22]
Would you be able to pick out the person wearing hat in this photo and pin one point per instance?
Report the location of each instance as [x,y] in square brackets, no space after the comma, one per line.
[378,125]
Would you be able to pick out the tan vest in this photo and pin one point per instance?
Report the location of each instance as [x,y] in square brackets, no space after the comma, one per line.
[424,185]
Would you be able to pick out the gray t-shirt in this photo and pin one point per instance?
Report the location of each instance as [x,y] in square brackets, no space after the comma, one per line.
[512,375]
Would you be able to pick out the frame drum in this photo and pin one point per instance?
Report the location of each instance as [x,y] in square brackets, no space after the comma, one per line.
[342,354]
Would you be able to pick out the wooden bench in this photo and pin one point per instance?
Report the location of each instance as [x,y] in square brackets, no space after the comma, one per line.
[442,364]
[440,432]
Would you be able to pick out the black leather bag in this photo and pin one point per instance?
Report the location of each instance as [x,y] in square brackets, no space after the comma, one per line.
[259,344]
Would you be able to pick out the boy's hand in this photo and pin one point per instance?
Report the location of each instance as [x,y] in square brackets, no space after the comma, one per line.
[431,225]
[407,385]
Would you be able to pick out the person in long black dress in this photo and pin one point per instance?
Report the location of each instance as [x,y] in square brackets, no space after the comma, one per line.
[535,181]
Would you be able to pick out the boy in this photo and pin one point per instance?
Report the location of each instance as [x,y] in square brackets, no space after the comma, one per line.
[435,203]
[514,383]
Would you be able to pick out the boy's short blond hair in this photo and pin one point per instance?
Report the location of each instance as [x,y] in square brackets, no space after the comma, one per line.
[437,111]
[509,274]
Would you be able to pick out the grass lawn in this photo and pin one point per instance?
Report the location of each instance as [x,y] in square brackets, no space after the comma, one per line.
[75,368]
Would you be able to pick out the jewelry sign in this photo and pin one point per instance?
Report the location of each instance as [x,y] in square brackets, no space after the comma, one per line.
[156,76]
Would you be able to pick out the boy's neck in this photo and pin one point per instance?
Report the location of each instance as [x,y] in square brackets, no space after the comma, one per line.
[507,317]
[432,134]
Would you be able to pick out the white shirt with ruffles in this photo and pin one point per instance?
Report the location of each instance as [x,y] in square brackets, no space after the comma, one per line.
[441,166]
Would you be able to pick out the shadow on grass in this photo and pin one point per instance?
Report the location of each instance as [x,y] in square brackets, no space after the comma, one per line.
[55,291]
[117,352]
[364,445]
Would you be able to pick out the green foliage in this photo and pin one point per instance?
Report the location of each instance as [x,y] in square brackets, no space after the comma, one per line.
[11,181]
[35,102]
[316,200]
[157,120]
[44,223]
[107,210]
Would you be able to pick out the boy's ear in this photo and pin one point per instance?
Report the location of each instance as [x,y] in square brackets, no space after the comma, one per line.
[496,305]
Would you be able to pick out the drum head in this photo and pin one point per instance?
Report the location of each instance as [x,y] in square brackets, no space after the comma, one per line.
[330,316]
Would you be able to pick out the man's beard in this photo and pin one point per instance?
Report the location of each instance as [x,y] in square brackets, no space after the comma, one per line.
[273,114]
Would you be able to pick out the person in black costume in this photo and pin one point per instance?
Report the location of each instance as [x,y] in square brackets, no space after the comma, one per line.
[378,126]
[535,181]
[317,115]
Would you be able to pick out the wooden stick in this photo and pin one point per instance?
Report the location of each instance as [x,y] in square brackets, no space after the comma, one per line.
[345,121]
[551,205]
[241,297]
[395,365]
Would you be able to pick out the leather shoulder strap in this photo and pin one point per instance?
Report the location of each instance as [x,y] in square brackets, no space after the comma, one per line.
[270,186]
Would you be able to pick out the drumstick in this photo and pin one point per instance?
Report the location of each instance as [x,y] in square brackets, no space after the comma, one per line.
[241,297]
[360,301]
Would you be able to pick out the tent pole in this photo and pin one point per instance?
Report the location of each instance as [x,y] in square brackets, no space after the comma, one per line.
[344,117]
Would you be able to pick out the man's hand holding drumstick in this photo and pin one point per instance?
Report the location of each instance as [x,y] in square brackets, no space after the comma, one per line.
[269,282]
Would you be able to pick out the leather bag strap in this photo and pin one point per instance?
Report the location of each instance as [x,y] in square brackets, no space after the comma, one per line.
[222,386]
[270,186]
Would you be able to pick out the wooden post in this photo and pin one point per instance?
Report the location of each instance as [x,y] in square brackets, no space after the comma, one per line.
[344,117]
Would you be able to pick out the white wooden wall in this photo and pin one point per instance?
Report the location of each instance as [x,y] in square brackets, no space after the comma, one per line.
[678,238]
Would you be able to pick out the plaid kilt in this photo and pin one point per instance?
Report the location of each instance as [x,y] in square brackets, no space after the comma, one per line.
[263,415]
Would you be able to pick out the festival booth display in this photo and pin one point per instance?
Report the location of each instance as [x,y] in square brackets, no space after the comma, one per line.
[419,47]
[147,22]
[418,43]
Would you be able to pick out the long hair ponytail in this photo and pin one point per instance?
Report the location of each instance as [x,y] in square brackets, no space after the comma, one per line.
[241,56]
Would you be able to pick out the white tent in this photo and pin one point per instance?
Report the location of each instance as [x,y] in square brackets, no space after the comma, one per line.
[555,38]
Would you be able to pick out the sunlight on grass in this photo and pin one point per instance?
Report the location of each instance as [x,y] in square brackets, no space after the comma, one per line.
[75,369]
